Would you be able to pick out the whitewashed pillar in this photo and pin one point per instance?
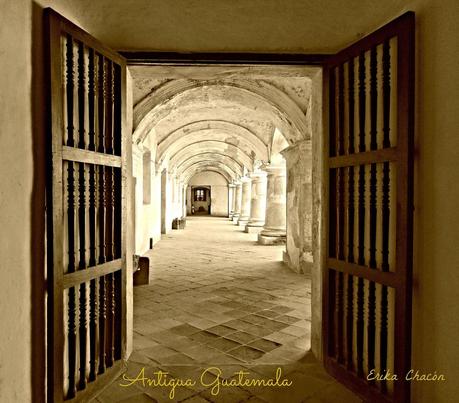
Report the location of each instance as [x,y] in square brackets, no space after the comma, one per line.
[245,201]
[274,230]
[237,201]
[257,202]
[231,190]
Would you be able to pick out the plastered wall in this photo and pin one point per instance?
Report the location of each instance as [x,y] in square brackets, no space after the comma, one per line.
[148,211]
[299,207]
[16,187]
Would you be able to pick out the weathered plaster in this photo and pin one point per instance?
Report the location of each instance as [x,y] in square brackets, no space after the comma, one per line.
[299,206]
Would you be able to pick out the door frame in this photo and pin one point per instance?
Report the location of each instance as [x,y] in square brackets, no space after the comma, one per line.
[319,159]
[320,167]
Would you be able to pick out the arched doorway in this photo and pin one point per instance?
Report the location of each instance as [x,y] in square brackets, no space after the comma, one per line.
[200,200]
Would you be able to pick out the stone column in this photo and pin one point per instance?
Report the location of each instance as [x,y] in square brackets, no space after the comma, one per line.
[237,201]
[181,200]
[274,230]
[184,212]
[233,207]
[231,189]
[245,203]
[298,254]
[177,206]
[257,203]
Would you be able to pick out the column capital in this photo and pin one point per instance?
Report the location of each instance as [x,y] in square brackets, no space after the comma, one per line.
[299,146]
[257,174]
[275,169]
[231,185]
[245,179]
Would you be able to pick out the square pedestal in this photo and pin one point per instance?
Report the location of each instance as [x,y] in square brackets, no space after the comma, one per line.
[271,240]
[252,230]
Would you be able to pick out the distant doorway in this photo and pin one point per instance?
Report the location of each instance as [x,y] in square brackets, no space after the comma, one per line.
[201,200]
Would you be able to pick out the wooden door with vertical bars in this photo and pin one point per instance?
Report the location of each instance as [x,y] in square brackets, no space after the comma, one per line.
[368,278]
[86,211]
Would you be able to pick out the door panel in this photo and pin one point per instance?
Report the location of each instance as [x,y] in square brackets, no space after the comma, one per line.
[368,278]
[86,256]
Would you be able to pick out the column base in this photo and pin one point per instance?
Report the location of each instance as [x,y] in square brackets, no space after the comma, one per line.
[303,266]
[271,238]
[253,229]
[235,218]
[243,220]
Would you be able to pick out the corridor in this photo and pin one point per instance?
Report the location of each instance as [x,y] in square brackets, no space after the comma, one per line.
[218,301]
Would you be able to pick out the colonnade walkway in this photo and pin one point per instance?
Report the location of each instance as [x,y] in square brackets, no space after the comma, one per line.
[220,303]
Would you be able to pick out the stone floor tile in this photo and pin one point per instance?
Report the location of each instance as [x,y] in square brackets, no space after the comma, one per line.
[333,393]
[275,325]
[201,352]
[282,338]
[145,328]
[184,329]
[267,313]
[242,337]
[224,344]
[202,323]
[246,353]
[141,398]
[226,395]
[221,330]
[156,352]
[294,331]
[229,290]
[260,331]
[264,345]
[288,319]
[281,309]
[140,358]
[235,313]
[254,399]
[195,399]
[204,337]
[227,371]
[255,319]
[176,359]
[141,341]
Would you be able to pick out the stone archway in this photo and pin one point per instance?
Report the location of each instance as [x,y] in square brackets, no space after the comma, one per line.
[231,144]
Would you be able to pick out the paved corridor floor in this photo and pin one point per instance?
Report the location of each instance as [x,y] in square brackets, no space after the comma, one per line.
[218,304]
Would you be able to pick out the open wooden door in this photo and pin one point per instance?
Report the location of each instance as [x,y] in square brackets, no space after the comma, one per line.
[86,212]
[368,278]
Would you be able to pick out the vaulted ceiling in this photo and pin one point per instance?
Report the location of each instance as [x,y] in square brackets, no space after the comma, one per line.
[219,118]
